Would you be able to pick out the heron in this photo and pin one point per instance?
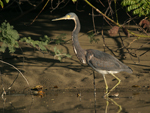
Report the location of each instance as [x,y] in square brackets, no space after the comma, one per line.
[100,61]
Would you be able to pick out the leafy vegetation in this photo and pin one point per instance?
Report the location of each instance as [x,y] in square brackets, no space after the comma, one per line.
[92,38]
[59,54]
[40,44]
[2,2]
[10,39]
[60,39]
[139,7]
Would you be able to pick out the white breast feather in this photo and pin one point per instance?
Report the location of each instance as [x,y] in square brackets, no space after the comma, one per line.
[75,50]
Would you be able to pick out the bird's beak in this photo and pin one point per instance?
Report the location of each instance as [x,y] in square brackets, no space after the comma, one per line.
[62,18]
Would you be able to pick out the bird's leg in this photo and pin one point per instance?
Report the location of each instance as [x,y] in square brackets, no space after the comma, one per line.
[105,84]
[116,84]
[94,91]
[120,107]
[107,104]
[94,84]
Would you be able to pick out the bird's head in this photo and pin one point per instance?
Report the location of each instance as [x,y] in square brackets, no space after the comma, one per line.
[69,16]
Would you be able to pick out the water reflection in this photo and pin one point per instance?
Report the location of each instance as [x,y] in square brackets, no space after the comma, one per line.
[68,102]
[115,103]
[108,100]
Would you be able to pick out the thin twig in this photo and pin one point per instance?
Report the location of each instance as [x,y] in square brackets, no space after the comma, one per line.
[104,44]
[144,52]
[131,54]
[65,4]
[138,35]
[102,3]
[16,69]
[26,11]
[40,12]
[111,12]
[4,92]
[77,8]
[116,10]
[93,20]
[101,12]
[53,8]
[13,81]
[109,7]
[131,42]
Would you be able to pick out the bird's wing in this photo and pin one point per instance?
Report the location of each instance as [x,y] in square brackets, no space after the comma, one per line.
[103,61]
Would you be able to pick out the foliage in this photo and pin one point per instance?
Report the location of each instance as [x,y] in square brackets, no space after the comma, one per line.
[8,37]
[60,39]
[2,2]
[40,44]
[74,1]
[59,54]
[139,7]
[92,38]
[43,42]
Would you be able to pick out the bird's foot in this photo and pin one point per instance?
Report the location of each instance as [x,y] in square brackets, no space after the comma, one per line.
[106,95]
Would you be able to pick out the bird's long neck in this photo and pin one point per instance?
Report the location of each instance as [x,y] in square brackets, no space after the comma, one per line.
[76,45]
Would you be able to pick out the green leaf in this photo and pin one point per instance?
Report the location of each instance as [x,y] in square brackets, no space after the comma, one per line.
[139,7]
[59,54]
[3,47]
[92,38]
[74,1]
[1,3]
[60,39]
[7,1]
[59,58]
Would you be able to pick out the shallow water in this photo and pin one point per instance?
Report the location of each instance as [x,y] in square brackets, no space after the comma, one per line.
[69,102]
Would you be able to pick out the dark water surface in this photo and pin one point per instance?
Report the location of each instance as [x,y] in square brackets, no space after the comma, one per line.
[69,102]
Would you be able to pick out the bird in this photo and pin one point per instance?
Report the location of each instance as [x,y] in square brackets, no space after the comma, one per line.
[100,61]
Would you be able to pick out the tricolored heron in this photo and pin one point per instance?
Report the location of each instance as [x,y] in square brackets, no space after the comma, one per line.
[100,61]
